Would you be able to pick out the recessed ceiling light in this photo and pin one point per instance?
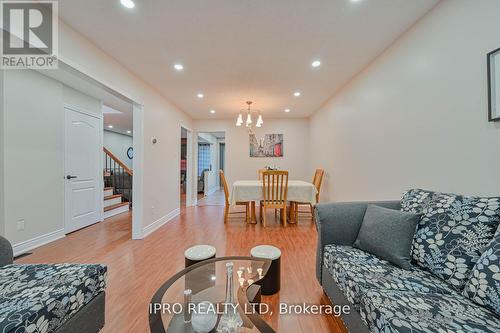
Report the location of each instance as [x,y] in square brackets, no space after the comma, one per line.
[296,94]
[128,132]
[287,110]
[212,111]
[127,3]
[110,126]
[200,95]
[316,63]
[178,67]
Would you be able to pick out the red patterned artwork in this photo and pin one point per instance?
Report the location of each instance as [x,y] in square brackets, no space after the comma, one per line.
[270,145]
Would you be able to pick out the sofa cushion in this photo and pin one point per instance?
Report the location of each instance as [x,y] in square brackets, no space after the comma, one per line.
[356,272]
[40,298]
[452,233]
[410,312]
[483,286]
[388,234]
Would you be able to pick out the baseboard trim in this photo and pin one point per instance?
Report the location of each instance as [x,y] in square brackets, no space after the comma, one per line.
[146,231]
[38,241]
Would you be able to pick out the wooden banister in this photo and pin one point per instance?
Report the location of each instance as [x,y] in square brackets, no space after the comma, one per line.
[117,160]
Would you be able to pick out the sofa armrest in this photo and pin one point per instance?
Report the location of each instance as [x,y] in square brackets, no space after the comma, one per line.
[6,254]
[339,223]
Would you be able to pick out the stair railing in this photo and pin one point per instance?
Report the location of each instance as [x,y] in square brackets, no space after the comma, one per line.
[117,175]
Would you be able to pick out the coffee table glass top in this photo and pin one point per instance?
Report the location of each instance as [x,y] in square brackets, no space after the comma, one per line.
[169,311]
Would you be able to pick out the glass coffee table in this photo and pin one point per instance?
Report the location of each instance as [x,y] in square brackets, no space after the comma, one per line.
[195,299]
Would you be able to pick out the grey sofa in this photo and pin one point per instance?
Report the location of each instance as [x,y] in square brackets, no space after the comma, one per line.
[58,298]
[386,298]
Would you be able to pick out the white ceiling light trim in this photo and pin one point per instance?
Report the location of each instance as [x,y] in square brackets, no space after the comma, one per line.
[127,4]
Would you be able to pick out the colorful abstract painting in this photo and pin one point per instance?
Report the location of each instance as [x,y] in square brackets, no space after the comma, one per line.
[270,145]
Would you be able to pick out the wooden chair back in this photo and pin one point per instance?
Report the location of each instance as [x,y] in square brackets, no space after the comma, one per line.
[274,188]
[261,171]
[317,181]
[224,185]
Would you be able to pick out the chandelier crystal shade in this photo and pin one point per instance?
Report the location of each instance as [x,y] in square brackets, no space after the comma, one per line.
[259,121]
[239,121]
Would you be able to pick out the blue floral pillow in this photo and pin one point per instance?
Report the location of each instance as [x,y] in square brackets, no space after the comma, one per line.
[484,284]
[452,233]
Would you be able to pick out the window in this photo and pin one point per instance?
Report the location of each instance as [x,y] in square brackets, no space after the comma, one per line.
[203,157]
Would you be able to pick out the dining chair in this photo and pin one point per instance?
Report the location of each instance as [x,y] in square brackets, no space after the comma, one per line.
[261,171]
[274,192]
[227,206]
[317,181]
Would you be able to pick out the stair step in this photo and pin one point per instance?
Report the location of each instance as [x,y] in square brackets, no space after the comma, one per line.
[121,204]
[108,191]
[111,200]
[113,196]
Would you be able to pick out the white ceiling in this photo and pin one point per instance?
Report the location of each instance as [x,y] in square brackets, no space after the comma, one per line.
[121,122]
[235,50]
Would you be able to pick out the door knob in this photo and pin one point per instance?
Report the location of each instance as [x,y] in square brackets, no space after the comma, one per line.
[70,177]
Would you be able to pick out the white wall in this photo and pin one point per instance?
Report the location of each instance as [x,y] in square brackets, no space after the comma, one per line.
[72,97]
[118,144]
[34,165]
[417,116]
[239,165]
[161,119]
[34,155]
[161,169]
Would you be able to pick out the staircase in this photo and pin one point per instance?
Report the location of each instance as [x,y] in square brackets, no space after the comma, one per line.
[113,203]
[118,182]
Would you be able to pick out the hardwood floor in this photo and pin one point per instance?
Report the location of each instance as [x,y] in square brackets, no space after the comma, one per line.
[214,199]
[136,268]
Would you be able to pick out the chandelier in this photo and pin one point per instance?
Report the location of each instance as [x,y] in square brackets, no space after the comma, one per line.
[249,120]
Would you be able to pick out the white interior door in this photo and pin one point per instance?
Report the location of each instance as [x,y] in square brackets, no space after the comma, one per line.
[83,190]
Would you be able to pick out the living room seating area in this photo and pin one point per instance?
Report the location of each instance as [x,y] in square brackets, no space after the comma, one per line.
[451,284]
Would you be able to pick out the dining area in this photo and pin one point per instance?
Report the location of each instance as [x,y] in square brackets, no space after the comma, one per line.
[272,191]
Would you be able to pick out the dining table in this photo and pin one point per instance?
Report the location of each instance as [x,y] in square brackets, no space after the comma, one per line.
[251,191]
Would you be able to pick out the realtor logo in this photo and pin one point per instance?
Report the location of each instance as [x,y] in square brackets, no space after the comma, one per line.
[29,34]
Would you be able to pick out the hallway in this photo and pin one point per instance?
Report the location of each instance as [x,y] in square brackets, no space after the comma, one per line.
[214,199]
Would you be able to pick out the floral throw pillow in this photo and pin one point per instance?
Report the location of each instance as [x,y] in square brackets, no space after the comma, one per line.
[452,233]
[484,284]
